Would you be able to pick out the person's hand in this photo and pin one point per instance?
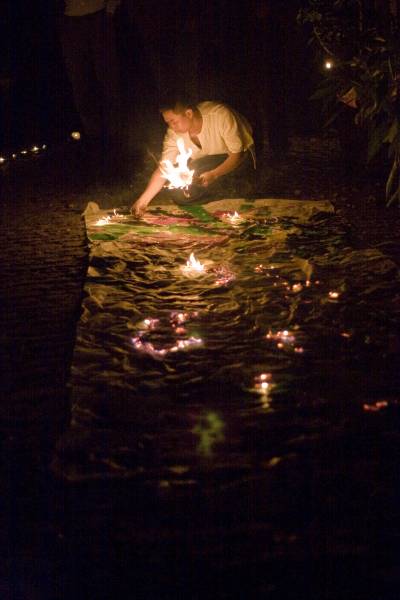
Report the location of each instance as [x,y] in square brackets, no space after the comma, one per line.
[206,178]
[138,208]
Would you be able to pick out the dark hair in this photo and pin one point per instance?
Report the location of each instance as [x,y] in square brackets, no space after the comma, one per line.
[177,102]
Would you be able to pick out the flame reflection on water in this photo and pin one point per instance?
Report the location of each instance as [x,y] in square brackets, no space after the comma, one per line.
[252,353]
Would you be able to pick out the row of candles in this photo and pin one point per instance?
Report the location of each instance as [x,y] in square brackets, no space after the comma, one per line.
[31,151]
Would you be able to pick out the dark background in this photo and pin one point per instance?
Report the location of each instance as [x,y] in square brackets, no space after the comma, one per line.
[208,48]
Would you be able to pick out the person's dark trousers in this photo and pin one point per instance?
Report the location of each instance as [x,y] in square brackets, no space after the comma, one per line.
[89,50]
[196,192]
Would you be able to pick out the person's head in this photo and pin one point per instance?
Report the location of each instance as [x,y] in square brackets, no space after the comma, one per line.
[178,112]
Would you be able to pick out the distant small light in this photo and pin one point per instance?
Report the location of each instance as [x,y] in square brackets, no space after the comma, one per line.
[24,151]
[328,64]
[76,135]
[44,147]
[2,159]
[35,149]
[265,376]
[334,294]
[297,287]
[14,156]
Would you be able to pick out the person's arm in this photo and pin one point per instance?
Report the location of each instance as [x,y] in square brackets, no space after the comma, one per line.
[154,186]
[230,164]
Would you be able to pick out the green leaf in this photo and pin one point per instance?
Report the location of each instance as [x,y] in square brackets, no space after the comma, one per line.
[393,197]
[376,140]
[391,177]
[200,213]
[392,133]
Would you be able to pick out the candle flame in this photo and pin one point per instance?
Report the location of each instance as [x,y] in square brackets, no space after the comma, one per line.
[103,221]
[193,265]
[234,217]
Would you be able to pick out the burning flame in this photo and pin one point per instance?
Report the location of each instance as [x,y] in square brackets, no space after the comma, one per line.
[193,266]
[234,217]
[103,221]
[180,176]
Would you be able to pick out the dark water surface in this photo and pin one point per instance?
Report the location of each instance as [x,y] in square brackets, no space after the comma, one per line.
[240,418]
[287,337]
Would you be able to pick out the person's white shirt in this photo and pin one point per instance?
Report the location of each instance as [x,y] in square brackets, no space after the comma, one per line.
[81,8]
[223,131]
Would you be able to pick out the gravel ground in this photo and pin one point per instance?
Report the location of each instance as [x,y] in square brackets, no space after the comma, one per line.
[44,260]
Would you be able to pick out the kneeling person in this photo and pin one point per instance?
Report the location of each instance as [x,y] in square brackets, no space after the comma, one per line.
[220,140]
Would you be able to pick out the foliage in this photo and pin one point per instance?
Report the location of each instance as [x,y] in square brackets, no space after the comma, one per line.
[364,47]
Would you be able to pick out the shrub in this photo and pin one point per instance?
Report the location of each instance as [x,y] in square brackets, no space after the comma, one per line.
[363,45]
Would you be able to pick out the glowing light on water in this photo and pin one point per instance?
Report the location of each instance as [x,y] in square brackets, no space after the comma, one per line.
[210,432]
[285,340]
[178,319]
[180,176]
[150,323]
[376,406]
[142,344]
[233,218]
[281,336]
[263,386]
[187,343]
[148,348]
[193,266]
[224,275]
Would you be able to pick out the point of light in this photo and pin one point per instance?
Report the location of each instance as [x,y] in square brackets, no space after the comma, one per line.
[75,135]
